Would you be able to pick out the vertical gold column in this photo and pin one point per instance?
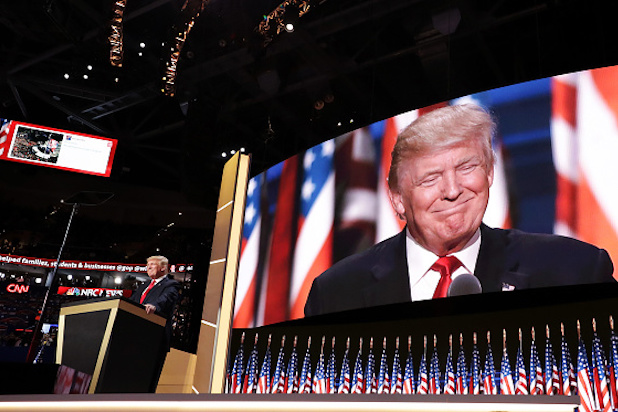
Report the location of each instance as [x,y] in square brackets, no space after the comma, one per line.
[216,325]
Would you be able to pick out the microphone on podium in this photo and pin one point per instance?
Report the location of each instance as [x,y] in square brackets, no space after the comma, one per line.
[464,285]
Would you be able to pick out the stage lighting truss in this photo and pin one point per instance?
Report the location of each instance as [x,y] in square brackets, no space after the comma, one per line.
[286,13]
[115,37]
[188,15]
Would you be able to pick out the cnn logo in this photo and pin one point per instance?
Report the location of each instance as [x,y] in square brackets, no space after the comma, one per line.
[15,288]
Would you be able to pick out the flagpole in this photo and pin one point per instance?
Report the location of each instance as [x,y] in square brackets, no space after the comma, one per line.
[86,198]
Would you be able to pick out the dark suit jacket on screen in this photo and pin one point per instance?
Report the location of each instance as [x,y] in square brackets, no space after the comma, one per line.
[507,259]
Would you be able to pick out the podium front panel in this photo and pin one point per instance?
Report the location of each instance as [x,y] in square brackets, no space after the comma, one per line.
[83,336]
[115,341]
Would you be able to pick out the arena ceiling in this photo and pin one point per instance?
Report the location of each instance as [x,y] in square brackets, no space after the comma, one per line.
[347,63]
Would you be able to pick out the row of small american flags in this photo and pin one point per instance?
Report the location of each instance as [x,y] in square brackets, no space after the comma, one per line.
[593,376]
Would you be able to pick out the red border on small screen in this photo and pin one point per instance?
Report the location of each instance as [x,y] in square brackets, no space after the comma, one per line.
[10,136]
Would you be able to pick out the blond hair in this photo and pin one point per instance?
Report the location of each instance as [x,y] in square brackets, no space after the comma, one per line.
[162,261]
[443,128]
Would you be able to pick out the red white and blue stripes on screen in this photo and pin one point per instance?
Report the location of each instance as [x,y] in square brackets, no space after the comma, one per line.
[245,301]
[313,250]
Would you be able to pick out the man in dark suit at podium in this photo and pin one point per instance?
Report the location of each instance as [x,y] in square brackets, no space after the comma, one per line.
[442,168]
[159,297]
[161,294]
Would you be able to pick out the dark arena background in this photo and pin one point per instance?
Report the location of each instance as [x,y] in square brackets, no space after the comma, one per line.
[165,92]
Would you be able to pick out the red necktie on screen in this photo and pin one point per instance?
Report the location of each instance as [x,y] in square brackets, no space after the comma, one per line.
[152,283]
[446,265]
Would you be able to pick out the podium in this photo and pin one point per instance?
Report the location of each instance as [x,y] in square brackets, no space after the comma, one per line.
[115,341]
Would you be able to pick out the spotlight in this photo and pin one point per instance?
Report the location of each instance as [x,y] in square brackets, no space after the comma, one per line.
[85,77]
[242,150]
[66,76]
[223,154]
[118,280]
[89,67]
[289,27]
[142,45]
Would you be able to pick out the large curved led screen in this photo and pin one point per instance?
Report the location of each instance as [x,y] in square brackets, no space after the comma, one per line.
[556,143]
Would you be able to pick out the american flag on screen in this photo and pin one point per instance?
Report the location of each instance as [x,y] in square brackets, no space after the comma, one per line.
[355,180]
[449,375]
[489,373]
[4,136]
[370,373]
[291,376]
[244,306]
[461,378]
[584,383]
[567,373]
[384,384]
[409,386]
[423,380]
[387,222]
[584,133]
[237,370]
[521,386]
[536,372]
[552,379]
[278,383]
[358,379]
[275,292]
[343,385]
[314,244]
[305,382]
[396,378]
[507,386]
[263,385]
[599,375]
